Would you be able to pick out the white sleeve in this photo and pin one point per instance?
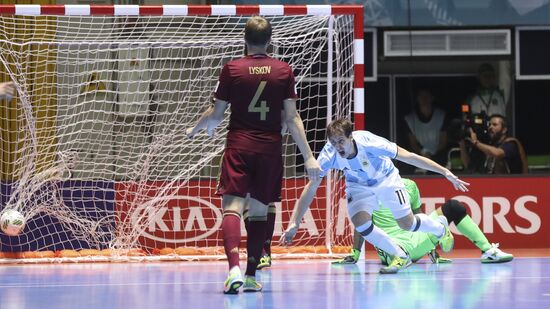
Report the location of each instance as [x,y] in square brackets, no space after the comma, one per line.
[380,146]
[327,159]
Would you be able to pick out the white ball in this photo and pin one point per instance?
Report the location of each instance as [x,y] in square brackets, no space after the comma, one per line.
[12,222]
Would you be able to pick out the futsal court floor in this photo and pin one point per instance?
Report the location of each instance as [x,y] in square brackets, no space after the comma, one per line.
[466,283]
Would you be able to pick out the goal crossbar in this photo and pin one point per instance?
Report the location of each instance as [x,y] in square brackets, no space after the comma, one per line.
[146,179]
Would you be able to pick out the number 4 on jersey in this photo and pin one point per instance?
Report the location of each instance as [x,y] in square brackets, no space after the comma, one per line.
[263,109]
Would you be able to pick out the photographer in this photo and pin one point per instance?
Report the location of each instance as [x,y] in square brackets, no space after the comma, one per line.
[503,154]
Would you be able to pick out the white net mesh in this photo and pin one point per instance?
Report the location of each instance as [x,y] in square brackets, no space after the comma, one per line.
[93,147]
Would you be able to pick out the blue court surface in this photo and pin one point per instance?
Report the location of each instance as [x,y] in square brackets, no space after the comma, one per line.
[522,283]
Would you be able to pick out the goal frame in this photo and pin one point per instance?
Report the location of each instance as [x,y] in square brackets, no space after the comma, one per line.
[219,10]
[227,10]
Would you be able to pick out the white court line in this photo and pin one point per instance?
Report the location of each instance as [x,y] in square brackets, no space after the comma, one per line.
[271,281]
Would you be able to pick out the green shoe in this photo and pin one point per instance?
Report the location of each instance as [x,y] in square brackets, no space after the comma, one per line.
[251,285]
[397,264]
[495,255]
[350,259]
[265,261]
[385,258]
[447,241]
[233,282]
[436,259]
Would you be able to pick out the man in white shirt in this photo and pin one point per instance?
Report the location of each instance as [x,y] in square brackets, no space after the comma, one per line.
[489,98]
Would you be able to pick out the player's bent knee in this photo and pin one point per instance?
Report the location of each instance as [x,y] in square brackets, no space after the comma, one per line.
[365,229]
[360,218]
[408,222]
[454,211]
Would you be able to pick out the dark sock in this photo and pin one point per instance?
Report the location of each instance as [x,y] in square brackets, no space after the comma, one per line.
[231,227]
[269,233]
[254,244]
[247,225]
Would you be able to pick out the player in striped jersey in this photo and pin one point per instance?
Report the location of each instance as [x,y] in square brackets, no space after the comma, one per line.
[371,177]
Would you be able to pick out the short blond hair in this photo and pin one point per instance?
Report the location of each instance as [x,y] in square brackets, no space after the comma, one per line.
[257,31]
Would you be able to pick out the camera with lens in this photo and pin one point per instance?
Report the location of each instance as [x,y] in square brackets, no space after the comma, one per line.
[479,122]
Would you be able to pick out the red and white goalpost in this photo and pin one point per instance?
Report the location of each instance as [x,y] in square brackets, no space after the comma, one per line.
[93,146]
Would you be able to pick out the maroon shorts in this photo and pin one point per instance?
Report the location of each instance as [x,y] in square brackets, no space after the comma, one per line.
[245,172]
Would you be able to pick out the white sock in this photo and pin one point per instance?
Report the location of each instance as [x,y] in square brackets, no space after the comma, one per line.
[378,238]
[423,223]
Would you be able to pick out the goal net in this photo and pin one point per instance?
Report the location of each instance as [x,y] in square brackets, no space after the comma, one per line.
[94,152]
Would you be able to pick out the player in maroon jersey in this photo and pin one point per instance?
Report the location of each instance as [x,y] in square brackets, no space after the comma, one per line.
[259,89]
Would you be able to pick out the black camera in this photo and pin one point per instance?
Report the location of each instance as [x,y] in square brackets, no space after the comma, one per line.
[479,124]
[459,129]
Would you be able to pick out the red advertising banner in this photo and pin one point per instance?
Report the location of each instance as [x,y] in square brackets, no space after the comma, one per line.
[192,215]
[512,211]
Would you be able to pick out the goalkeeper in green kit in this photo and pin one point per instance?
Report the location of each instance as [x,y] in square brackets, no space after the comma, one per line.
[417,245]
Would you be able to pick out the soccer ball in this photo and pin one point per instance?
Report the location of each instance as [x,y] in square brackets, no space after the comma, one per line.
[12,222]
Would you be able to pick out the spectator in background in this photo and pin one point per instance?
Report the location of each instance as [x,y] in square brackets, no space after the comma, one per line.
[426,134]
[488,98]
[503,154]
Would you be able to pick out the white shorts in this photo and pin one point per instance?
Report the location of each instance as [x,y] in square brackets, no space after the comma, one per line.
[391,193]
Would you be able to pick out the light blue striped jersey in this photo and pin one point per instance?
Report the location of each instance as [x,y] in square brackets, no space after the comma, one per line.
[371,164]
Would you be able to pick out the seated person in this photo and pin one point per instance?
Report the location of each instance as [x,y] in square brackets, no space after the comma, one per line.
[425,128]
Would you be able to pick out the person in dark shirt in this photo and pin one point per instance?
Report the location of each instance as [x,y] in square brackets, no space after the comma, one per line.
[504,154]
[260,90]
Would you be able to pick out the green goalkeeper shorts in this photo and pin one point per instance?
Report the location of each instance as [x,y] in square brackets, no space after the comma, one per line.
[416,244]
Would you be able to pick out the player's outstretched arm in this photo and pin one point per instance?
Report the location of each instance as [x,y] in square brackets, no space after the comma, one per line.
[430,165]
[296,129]
[209,120]
[299,211]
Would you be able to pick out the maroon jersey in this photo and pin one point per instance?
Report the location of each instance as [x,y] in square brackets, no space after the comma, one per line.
[256,86]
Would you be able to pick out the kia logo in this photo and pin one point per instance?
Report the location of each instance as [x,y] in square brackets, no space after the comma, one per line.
[150,215]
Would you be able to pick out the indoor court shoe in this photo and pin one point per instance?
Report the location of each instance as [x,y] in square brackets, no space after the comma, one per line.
[396,265]
[436,259]
[251,285]
[495,255]
[447,241]
[233,282]
[265,261]
[350,259]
